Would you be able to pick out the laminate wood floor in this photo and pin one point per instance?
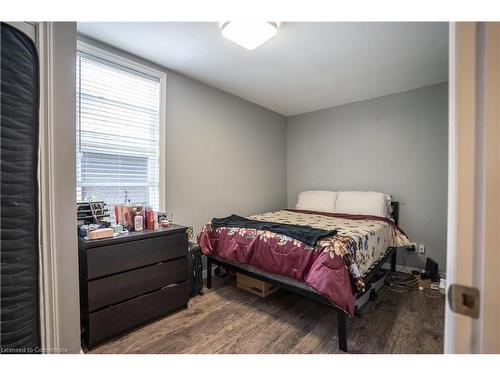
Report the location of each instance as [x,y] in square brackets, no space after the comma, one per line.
[229,320]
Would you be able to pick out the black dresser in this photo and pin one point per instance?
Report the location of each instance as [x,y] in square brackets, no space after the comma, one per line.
[128,281]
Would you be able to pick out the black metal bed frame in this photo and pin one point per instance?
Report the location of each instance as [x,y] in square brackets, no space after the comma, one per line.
[304,289]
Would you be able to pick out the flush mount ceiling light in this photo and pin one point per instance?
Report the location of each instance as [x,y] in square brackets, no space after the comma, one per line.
[247,34]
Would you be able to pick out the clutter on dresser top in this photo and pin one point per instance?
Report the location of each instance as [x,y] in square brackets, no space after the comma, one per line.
[95,222]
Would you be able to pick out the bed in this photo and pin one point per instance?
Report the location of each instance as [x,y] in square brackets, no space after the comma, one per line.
[335,271]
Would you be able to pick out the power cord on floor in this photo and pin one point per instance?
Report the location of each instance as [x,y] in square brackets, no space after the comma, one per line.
[407,252]
[402,284]
[399,284]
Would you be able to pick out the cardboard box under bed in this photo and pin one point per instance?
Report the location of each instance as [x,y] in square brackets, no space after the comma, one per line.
[255,286]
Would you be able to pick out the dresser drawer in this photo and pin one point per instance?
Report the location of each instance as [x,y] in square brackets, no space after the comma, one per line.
[120,287]
[107,260]
[120,318]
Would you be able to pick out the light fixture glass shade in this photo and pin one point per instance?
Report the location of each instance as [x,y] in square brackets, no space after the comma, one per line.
[249,35]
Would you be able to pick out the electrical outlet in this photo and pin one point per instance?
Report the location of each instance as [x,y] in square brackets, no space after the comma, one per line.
[421,249]
[413,247]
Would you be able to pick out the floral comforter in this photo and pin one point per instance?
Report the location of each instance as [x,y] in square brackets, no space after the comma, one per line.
[334,267]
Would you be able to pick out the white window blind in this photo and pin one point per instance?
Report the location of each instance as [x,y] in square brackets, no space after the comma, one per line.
[118,146]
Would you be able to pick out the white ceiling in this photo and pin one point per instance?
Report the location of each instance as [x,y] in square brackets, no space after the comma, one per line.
[305,67]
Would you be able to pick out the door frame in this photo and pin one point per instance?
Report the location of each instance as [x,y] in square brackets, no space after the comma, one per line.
[474,183]
[490,303]
[49,309]
[59,295]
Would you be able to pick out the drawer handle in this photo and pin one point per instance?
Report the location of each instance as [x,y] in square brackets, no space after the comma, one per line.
[170,286]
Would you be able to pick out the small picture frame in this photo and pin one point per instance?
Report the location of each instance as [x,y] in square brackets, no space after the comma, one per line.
[162,215]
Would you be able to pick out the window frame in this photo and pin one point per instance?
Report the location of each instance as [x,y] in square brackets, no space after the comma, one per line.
[130,63]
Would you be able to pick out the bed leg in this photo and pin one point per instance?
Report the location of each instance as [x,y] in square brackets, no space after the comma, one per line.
[209,273]
[342,330]
[394,257]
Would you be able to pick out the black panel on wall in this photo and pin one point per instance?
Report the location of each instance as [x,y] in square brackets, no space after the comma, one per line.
[19,98]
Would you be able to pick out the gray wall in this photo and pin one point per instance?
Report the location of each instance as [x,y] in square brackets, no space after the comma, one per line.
[224,155]
[396,144]
[227,155]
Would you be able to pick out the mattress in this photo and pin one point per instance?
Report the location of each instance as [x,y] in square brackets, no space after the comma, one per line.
[334,267]
[19,313]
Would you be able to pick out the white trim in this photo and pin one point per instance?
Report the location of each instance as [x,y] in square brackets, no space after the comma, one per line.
[480,184]
[49,317]
[449,336]
[163,142]
[104,54]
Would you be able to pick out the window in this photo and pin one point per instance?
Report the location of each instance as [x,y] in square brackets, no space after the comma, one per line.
[118,133]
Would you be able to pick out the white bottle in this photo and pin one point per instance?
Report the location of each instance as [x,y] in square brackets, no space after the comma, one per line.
[138,223]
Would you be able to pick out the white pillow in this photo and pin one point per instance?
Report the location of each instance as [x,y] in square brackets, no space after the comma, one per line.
[317,200]
[363,203]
